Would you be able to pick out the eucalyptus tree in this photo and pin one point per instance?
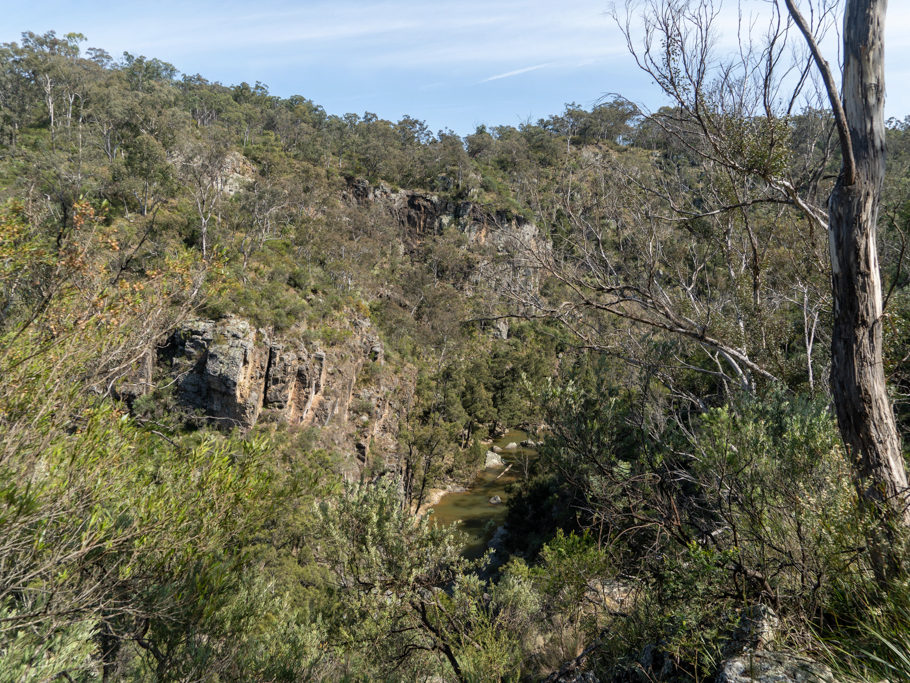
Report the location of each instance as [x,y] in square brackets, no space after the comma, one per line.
[202,167]
[744,117]
[864,411]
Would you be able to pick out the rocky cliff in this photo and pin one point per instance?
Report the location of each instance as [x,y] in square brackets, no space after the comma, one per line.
[511,246]
[235,375]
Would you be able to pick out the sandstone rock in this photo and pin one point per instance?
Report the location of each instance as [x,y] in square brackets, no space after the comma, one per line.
[749,662]
[234,375]
[492,460]
[236,173]
[235,372]
[773,667]
[230,373]
[282,377]
[220,369]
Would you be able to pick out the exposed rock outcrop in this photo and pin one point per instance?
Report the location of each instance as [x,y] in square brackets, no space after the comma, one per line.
[508,245]
[773,667]
[756,630]
[492,460]
[220,369]
[750,662]
[236,173]
[235,375]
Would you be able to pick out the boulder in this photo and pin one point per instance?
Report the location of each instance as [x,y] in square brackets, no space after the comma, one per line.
[511,446]
[756,629]
[773,667]
[495,500]
[497,449]
[492,460]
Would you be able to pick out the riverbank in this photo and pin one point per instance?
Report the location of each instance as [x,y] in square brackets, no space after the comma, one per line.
[471,507]
[433,496]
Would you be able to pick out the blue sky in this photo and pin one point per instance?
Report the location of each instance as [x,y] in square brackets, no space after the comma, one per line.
[454,64]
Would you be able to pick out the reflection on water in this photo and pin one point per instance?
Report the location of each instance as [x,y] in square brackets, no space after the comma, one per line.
[479,518]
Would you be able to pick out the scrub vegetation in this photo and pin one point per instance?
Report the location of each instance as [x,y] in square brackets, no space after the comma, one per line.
[668,347]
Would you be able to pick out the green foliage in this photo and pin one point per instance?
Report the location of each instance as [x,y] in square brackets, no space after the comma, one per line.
[867,636]
[386,568]
[30,655]
[762,143]
[115,530]
[747,502]
[136,550]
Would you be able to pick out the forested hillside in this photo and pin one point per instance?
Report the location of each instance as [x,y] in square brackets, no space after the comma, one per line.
[246,344]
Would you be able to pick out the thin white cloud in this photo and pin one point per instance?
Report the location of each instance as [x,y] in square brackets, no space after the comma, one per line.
[417,54]
[517,72]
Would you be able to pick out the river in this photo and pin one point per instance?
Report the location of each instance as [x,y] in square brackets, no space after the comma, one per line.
[472,508]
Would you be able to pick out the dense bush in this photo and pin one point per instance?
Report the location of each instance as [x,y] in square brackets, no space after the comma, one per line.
[678,483]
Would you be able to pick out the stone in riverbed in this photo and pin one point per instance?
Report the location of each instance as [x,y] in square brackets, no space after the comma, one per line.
[511,446]
[495,500]
[497,449]
[492,460]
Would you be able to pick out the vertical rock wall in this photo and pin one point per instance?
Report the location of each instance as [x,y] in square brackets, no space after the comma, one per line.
[235,375]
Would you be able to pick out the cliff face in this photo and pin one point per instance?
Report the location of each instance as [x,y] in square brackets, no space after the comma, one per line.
[220,369]
[511,246]
[235,375]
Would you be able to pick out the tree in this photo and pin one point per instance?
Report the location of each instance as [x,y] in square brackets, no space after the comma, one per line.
[687,244]
[738,115]
[864,413]
[202,167]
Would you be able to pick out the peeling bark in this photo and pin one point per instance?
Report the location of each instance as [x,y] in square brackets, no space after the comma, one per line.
[864,413]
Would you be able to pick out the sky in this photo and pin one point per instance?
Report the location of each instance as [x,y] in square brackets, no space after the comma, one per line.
[454,64]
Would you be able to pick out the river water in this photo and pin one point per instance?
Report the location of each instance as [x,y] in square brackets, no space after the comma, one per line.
[479,518]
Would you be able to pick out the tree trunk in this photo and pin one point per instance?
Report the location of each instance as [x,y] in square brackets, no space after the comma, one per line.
[864,413]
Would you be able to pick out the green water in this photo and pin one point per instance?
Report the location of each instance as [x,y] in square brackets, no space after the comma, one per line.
[472,508]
